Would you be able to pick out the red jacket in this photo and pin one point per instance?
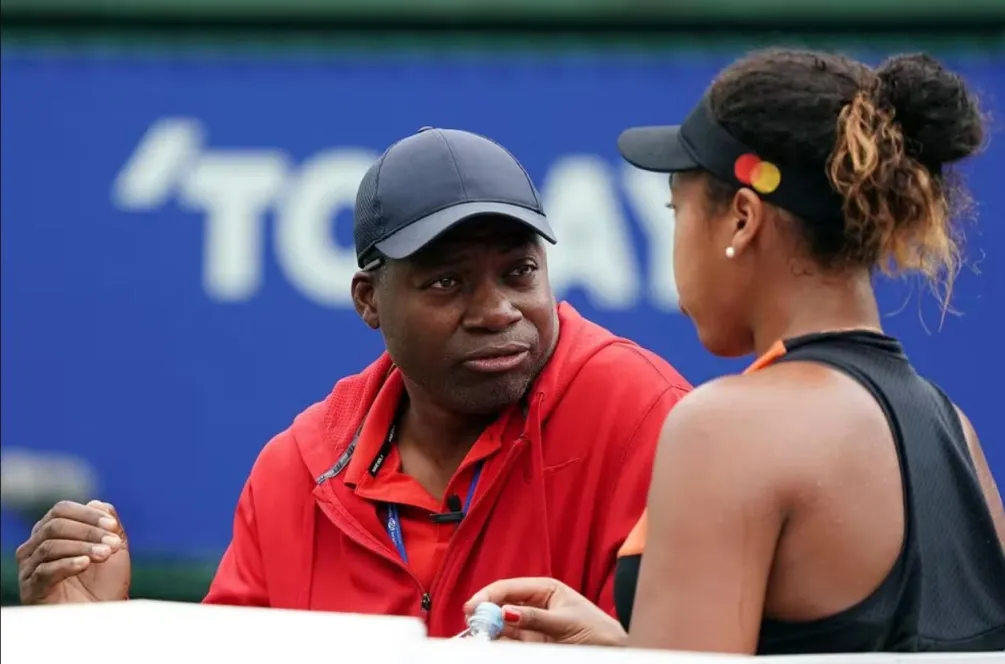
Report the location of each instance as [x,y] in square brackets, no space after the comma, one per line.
[557,503]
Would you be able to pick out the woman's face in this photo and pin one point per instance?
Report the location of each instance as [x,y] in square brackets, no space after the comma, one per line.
[712,288]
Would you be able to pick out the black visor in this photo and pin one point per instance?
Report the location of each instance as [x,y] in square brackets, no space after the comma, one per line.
[701,143]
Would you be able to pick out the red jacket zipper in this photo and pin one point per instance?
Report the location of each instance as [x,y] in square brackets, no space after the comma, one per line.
[370,543]
[457,541]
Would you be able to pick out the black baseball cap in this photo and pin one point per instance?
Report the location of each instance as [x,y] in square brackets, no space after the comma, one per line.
[431,181]
[702,143]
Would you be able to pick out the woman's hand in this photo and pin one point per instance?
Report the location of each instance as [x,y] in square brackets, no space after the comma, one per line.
[548,611]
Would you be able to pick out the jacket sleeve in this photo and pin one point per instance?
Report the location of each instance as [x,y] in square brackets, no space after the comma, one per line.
[629,491]
[240,578]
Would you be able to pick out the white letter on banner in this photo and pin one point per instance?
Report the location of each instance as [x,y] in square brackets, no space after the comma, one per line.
[165,154]
[234,189]
[305,241]
[594,250]
[648,194]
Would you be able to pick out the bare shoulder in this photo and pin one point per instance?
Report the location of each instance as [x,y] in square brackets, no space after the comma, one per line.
[968,426]
[973,441]
[729,424]
[783,420]
[786,400]
[975,449]
[988,485]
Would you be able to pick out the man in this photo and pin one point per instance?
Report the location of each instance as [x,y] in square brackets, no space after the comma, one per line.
[500,435]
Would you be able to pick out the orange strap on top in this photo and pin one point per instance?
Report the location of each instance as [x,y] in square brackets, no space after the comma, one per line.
[635,543]
[776,351]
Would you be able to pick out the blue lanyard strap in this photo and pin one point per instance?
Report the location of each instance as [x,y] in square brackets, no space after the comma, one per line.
[394,522]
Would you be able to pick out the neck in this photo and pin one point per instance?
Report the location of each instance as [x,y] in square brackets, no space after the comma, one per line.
[816,303]
[433,440]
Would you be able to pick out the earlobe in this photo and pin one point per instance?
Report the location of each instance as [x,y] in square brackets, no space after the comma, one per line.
[364,299]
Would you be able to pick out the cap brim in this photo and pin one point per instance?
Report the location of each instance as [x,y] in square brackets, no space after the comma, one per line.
[658,149]
[418,234]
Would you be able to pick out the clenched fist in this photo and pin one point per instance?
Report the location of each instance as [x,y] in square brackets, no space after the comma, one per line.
[76,553]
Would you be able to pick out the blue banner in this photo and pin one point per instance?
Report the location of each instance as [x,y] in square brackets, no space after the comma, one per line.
[176,251]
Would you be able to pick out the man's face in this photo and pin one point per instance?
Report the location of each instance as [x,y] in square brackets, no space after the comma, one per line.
[471,318]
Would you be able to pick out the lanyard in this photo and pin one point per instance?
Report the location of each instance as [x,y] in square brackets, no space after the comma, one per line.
[394,523]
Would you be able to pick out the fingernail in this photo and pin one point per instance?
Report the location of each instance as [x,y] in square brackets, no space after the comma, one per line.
[107,522]
[80,561]
[511,615]
[101,550]
[111,540]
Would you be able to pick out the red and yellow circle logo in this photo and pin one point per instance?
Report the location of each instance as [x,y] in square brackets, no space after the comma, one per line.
[763,176]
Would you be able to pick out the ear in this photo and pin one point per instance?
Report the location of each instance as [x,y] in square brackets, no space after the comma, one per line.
[748,216]
[364,298]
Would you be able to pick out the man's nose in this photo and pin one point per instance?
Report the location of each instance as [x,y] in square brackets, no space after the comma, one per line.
[490,309]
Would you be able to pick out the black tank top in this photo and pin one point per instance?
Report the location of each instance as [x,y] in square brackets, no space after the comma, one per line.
[946,591]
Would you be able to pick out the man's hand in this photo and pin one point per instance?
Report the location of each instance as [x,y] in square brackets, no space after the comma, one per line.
[76,553]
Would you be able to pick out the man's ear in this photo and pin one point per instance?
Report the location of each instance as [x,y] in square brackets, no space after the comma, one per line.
[364,298]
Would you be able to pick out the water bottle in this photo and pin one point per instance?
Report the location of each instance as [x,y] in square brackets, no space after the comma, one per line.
[485,624]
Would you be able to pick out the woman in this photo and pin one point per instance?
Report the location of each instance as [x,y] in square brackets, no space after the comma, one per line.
[829,499]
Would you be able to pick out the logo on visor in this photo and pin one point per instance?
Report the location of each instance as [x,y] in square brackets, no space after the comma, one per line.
[762,175]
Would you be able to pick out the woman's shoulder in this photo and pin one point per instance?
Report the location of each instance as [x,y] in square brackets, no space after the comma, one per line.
[777,422]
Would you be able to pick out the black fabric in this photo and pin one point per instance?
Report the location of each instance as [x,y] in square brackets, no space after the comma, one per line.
[700,142]
[626,578]
[427,183]
[946,591]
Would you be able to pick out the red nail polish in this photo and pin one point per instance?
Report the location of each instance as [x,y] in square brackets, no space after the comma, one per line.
[511,616]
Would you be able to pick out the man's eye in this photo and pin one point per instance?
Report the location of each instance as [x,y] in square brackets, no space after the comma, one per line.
[443,283]
[524,270]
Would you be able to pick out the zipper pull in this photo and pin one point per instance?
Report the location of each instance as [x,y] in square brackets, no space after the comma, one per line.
[427,602]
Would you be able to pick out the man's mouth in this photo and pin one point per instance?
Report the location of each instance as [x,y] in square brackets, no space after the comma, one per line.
[497,359]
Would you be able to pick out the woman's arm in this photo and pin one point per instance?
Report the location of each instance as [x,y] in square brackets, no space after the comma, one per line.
[716,510]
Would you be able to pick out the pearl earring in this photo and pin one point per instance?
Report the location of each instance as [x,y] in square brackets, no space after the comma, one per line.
[730,252]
